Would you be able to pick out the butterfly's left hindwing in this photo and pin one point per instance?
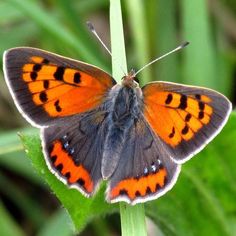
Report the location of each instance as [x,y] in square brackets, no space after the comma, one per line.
[185,118]
[73,151]
[46,86]
[145,171]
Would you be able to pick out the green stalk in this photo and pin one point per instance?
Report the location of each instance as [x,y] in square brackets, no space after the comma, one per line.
[136,14]
[132,217]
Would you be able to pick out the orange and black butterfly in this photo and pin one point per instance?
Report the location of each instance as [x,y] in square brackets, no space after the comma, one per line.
[94,129]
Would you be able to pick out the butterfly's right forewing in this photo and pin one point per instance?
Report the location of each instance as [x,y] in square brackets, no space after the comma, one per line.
[47,87]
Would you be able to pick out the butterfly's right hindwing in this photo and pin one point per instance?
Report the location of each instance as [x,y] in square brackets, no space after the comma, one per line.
[74,150]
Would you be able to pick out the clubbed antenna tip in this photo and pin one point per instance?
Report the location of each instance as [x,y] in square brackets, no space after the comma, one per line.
[90,26]
[185,44]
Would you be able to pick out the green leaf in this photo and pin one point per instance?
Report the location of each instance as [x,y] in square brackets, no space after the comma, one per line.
[10,142]
[203,200]
[7,224]
[165,39]
[52,26]
[80,208]
[23,201]
[12,156]
[200,67]
[59,224]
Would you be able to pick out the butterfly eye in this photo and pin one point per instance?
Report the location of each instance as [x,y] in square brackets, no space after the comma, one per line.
[136,79]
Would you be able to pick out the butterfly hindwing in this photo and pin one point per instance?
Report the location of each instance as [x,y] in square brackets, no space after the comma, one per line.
[73,151]
[46,86]
[185,118]
[145,171]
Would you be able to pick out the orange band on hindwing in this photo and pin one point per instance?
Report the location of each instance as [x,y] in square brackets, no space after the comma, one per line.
[62,162]
[140,187]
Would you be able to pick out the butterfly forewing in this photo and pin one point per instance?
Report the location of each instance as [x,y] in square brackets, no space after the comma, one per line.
[47,86]
[184,117]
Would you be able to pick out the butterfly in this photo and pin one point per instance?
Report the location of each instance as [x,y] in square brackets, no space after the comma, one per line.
[94,129]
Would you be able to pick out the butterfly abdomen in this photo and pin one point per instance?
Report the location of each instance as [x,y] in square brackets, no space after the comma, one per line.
[125,110]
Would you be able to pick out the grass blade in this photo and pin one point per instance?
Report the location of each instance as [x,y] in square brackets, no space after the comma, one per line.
[130,215]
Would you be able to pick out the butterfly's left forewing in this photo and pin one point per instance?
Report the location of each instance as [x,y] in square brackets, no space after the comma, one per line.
[185,118]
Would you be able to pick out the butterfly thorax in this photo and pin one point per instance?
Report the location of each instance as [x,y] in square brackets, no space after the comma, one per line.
[129,80]
[124,112]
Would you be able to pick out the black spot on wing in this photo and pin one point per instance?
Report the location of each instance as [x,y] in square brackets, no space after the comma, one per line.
[201,105]
[185,130]
[45,61]
[59,167]
[57,106]
[123,192]
[81,181]
[33,75]
[46,84]
[188,117]
[183,102]
[37,67]
[201,115]
[77,77]
[137,194]
[58,75]
[148,190]
[198,96]
[171,135]
[169,99]
[43,97]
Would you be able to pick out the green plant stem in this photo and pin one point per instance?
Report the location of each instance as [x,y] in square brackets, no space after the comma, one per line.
[132,220]
[132,217]
[136,14]
[119,64]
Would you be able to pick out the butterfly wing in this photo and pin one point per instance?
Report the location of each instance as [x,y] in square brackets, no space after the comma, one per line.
[73,150]
[145,170]
[185,118]
[46,86]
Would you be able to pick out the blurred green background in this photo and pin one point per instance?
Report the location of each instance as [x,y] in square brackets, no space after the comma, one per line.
[203,200]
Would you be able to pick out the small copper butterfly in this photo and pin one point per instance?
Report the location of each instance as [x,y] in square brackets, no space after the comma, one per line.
[94,129]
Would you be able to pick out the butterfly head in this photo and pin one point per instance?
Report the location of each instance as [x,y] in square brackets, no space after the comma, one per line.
[130,80]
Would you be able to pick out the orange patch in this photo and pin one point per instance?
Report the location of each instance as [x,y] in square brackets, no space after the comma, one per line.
[77,172]
[161,122]
[28,67]
[73,102]
[39,86]
[36,59]
[75,92]
[205,99]
[138,187]
[166,113]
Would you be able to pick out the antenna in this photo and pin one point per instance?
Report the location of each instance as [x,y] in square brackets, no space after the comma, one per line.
[92,29]
[183,45]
